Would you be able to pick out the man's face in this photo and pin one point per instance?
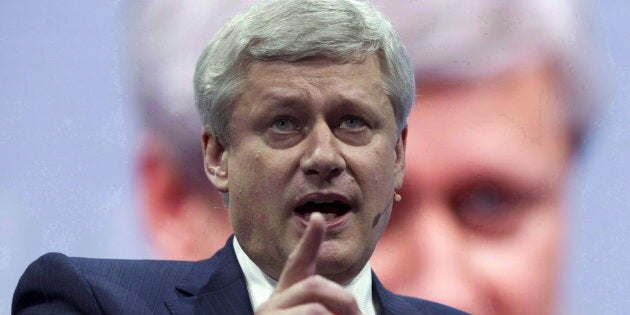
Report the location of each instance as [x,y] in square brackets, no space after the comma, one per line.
[480,224]
[308,136]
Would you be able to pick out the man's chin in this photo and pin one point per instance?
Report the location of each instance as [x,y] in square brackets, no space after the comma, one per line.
[338,263]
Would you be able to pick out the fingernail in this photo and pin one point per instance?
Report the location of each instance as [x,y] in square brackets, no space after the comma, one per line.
[312,217]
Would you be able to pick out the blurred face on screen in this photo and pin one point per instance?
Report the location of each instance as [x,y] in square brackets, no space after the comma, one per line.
[480,223]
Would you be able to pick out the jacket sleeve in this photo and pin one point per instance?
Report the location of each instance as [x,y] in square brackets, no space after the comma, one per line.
[52,285]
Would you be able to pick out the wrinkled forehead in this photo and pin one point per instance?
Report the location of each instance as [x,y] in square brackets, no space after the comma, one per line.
[355,81]
[319,67]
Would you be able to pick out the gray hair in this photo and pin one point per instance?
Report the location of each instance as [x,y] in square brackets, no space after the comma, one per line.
[292,30]
[453,40]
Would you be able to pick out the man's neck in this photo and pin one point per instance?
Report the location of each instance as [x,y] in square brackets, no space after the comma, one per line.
[260,285]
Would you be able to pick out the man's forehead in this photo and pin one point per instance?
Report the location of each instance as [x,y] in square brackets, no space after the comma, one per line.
[282,79]
[322,63]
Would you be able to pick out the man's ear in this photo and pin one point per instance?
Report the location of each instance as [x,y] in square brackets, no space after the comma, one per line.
[399,163]
[215,161]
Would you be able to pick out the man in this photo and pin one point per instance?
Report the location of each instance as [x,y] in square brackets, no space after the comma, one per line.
[500,83]
[304,106]
[503,109]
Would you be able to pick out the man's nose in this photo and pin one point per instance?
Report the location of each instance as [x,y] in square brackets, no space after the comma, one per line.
[322,158]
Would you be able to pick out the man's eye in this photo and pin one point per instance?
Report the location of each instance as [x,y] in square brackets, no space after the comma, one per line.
[486,199]
[487,209]
[352,123]
[283,125]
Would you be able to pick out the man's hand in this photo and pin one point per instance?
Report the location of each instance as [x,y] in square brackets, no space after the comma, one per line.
[300,290]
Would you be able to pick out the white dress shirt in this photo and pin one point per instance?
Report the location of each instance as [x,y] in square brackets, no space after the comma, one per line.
[260,285]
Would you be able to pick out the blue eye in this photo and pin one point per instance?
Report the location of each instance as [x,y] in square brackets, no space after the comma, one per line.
[352,123]
[283,125]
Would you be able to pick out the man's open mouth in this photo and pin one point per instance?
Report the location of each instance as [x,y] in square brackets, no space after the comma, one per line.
[330,210]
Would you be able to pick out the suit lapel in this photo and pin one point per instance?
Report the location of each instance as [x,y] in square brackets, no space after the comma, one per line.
[213,286]
[217,286]
[390,303]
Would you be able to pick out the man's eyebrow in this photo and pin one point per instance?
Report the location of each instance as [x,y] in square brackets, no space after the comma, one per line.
[354,102]
[501,176]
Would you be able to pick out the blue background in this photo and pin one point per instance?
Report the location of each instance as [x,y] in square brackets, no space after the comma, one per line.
[69,135]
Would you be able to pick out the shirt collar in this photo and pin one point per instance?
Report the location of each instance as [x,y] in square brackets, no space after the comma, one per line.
[260,285]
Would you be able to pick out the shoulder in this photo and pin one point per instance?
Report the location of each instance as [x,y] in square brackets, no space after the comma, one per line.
[55,282]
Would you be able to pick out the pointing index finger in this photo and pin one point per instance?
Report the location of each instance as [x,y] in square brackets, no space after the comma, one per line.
[301,263]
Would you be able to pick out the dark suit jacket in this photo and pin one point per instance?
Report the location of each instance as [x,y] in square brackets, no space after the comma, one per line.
[55,284]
